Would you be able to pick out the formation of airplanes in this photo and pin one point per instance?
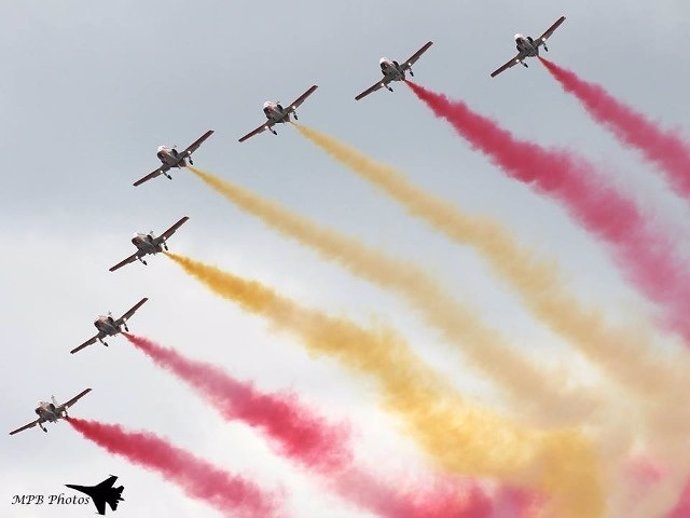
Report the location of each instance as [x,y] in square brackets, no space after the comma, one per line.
[171,158]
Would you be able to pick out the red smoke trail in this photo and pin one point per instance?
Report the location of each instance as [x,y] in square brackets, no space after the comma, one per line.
[682,508]
[663,148]
[230,494]
[302,436]
[435,499]
[292,428]
[643,251]
[515,502]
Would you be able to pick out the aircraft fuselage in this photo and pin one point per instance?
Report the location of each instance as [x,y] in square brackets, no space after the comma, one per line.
[526,45]
[48,412]
[275,112]
[170,157]
[107,326]
[391,70]
[146,244]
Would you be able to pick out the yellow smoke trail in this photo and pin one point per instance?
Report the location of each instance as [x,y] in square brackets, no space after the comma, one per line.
[541,394]
[627,355]
[624,354]
[458,436]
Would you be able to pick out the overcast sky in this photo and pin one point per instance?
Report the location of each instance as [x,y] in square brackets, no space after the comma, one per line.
[88,90]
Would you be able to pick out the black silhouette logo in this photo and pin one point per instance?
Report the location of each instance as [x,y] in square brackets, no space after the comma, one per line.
[102,493]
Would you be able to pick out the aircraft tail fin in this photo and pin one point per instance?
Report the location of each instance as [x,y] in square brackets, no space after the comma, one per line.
[114,497]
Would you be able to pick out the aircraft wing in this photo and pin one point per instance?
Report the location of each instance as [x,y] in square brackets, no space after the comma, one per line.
[171,231]
[100,505]
[96,496]
[108,482]
[195,145]
[414,57]
[297,102]
[505,67]
[25,427]
[90,341]
[373,88]
[551,29]
[76,398]
[258,130]
[119,265]
[133,310]
[162,169]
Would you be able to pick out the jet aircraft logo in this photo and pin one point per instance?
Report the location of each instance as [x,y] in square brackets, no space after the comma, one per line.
[102,493]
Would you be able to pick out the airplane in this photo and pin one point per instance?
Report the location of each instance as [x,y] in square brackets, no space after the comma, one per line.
[276,114]
[102,493]
[108,326]
[394,71]
[171,157]
[51,412]
[528,47]
[149,244]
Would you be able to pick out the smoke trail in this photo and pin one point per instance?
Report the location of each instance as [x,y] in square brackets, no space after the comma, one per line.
[627,355]
[538,392]
[516,503]
[438,499]
[460,437]
[644,252]
[230,494]
[293,429]
[309,440]
[664,148]
[682,508]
